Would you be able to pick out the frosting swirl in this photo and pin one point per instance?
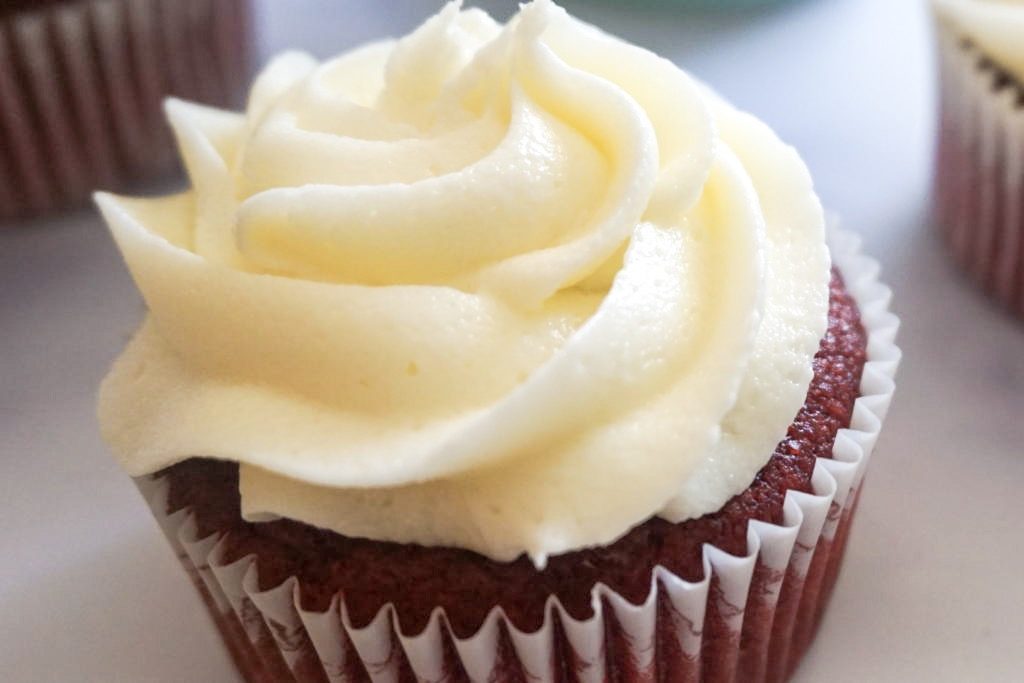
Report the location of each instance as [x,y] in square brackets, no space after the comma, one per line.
[509,288]
[996,26]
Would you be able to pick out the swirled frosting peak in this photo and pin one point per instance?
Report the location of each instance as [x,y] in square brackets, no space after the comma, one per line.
[513,288]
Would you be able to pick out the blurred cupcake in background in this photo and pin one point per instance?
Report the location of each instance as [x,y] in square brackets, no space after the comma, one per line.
[979,176]
[81,87]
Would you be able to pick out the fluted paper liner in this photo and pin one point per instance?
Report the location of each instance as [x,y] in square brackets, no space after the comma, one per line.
[749,619]
[979,172]
[81,86]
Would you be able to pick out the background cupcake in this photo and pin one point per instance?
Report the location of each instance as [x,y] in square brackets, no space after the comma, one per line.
[979,176]
[81,86]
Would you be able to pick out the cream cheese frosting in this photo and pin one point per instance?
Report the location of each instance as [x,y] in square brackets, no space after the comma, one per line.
[995,26]
[512,288]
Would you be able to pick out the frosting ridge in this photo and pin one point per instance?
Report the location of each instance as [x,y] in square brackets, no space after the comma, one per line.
[510,288]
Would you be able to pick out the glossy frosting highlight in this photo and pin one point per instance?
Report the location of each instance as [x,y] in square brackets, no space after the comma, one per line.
[509,288]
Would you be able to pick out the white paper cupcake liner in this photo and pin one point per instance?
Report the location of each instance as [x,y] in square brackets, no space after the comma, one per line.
[81,86]
[749,619]
[979,172]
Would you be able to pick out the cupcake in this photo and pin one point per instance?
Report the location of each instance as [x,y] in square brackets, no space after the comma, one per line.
[81,86]
[979,176]
[498,353]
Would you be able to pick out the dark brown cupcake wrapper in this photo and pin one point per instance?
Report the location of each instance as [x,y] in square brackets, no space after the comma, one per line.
[979,172]
[750,619]
[82,85]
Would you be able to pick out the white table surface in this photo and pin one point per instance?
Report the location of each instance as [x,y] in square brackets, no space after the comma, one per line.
[932,588]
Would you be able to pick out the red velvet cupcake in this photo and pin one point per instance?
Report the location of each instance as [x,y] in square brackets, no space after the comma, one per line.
[498,353]
[979,175]
[81,85]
